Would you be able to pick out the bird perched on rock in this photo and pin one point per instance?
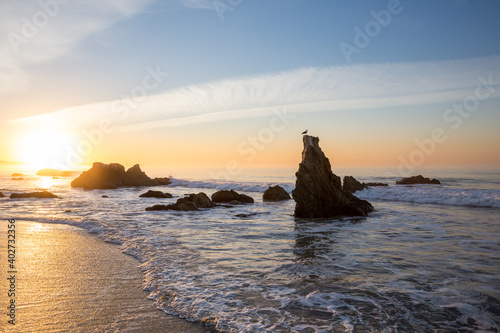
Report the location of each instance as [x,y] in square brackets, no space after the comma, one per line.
[305,132]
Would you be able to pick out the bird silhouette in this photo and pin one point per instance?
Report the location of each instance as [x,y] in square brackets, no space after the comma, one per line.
[305,132]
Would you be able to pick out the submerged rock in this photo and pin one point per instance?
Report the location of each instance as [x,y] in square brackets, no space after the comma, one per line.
[191,203]
[105,196]
[417,180]
[318,191]
[276,193]
[112,176]
[20,178]
[42,195]
[231,197]
[155,194]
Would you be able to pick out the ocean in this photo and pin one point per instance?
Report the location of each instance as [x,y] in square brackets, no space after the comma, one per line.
[426,260]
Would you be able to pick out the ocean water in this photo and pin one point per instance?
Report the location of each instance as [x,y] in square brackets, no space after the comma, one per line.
[427,259]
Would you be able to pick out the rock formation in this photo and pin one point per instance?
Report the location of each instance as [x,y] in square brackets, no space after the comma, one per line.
[17,174]
[42,195]
[112,176]
[231,197]
[2,195]
[417,180]
[352,185]
[155,194]
[191,203]
[318,192]
[276,193]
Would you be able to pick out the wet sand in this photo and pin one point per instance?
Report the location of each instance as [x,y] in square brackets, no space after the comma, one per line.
[70,281]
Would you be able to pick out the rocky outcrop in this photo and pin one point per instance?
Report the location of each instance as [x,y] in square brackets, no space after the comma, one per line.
[318,191]
[417,180]
[17,174]
[231,197]
[352,185]
[2,195]
[376,184]
[191,203]
[41,195]
[55,173]
[156,194]
[112,176]
[276,193]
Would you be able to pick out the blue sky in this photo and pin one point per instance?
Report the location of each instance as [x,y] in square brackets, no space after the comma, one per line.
[230,62]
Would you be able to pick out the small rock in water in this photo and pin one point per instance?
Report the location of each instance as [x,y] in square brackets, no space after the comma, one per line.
[155,194]
[42,195]
[276,193]
[417,180]
[231,196]
[191,203]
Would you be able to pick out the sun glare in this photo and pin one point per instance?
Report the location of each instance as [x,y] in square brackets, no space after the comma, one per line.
[40,149]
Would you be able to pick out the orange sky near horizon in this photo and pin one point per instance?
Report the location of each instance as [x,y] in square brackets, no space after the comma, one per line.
[345,140]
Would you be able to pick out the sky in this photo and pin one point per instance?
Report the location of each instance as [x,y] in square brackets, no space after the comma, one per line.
[233,83]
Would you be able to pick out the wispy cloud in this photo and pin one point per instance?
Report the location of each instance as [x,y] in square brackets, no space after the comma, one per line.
[301,90]
[34,32]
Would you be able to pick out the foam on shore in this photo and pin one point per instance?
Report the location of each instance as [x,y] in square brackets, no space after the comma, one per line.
[68,280]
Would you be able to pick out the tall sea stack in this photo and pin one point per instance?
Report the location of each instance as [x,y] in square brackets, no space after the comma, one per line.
[318,191]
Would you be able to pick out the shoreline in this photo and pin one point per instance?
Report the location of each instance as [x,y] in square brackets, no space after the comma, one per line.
[69,280]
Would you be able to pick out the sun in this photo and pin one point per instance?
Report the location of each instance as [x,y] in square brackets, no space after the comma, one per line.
[39,149]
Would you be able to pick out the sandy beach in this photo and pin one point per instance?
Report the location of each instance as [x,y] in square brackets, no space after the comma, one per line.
[69,281]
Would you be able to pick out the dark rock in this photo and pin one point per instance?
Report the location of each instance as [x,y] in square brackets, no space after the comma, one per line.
[318,192]
[112,176]
[162,181]
[351,185]
[104,196]
[42,195]
[158,207]
[55,173]
[2,195]
[191,203]
[184,205]
[17,174]
[21,178]
[155,194]
[228,196]
[417,180]
[376,184]
[276,193]
[201,200]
